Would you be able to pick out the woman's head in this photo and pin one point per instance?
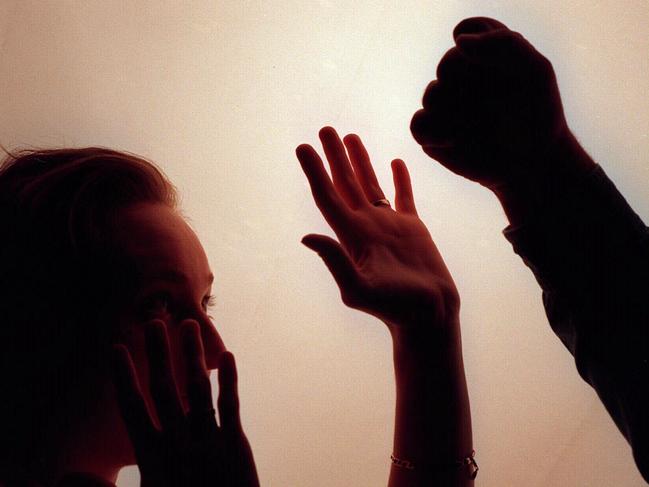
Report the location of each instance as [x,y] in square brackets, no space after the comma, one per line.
[91,245]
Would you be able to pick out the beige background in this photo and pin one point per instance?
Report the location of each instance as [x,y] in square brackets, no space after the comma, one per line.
[220,93]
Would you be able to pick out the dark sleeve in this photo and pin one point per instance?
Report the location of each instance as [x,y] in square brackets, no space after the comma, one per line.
[590,253]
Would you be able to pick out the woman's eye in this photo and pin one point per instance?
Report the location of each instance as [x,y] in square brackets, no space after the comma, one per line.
[158,304]
[163,304]
[208,302]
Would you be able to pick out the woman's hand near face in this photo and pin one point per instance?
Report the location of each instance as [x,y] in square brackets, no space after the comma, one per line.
[385,262]
[186,448]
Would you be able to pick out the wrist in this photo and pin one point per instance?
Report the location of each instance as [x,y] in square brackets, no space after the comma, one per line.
[548,176]
[427,348]
[426,332]
[433,419]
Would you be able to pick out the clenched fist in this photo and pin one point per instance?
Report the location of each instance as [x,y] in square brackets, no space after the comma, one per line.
[494,114]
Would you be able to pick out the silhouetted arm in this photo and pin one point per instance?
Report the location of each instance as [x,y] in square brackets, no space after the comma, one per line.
[387,265]
[494,115]
[590,253]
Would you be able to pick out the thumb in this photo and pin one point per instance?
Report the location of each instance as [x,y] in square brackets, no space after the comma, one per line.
[339,264]
[476,25]
[496,47]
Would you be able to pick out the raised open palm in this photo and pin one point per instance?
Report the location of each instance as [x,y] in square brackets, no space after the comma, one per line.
[385,262]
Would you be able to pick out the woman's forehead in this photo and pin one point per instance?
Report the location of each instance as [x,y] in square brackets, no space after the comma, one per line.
[159,240]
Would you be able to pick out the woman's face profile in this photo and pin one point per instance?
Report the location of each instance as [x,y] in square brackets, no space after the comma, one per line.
[174,284]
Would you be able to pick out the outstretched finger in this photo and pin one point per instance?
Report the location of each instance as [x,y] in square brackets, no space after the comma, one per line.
[130,400]
[228,401]
[404,200]
[161,376]
[341,170]
[339,264]
[327,199]
[363,169]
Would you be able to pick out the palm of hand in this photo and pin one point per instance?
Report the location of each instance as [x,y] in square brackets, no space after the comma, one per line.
[386,263]
[401,269]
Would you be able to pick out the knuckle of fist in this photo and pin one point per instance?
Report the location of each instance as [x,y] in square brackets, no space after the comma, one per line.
[450,63]
[546,66]
[515,36]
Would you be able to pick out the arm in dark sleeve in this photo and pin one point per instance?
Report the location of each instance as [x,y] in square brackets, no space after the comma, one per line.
[590,253]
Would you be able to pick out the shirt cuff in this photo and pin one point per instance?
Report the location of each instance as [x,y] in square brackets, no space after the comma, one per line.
[591,212]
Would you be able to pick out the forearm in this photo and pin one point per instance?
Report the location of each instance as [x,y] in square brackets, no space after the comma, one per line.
[432,420]
[589,251]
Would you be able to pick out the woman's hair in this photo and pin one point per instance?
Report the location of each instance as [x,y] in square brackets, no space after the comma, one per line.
[61,277]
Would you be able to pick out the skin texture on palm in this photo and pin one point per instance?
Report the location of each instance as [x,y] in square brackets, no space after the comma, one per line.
[386,264]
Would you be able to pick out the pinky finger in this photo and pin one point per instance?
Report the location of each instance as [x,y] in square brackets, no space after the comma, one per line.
[404,199]
[228,401]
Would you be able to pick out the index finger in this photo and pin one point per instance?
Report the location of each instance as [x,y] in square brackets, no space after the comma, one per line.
[327,199]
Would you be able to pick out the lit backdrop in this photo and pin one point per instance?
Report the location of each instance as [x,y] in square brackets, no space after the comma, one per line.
[220,93]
